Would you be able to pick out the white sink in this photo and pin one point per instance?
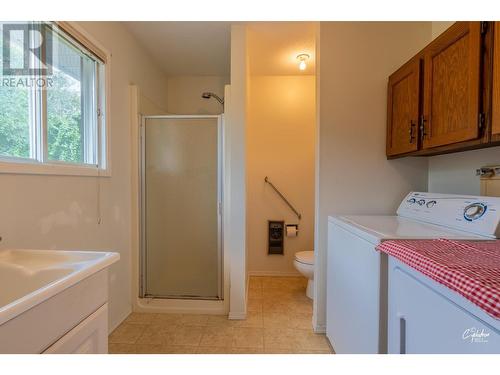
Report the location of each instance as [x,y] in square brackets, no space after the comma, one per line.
[28,277]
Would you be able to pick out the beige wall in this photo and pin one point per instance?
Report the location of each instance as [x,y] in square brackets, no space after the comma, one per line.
[455,173]
[147,106]
[354,177]
[60,212]
[280,144]
[184,94]
[438,27]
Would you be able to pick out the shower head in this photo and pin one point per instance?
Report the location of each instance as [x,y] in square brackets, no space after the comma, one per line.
[208,95]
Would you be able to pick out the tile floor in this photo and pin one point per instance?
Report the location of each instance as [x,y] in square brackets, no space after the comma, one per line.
[278,321]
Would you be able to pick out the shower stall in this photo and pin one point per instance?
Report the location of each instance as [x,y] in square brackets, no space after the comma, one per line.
[181,179]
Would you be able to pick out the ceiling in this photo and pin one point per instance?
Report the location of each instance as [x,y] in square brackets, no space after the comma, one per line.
[203,48]
[273,47]
[186,48]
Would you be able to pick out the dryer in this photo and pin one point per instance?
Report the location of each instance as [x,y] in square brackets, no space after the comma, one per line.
[357,273]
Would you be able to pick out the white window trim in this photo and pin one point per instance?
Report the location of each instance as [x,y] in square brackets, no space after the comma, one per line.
[59,169]
[13,165]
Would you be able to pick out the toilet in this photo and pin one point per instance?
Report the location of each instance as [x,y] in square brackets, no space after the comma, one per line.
[304,263]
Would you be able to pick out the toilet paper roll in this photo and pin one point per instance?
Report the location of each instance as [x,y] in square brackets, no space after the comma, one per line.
[292,230]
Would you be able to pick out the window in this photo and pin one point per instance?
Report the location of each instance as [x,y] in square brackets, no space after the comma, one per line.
[51,97]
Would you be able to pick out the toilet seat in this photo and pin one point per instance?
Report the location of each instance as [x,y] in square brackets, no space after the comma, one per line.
[305,257]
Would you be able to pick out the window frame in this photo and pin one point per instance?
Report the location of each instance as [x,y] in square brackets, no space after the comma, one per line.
[38,162]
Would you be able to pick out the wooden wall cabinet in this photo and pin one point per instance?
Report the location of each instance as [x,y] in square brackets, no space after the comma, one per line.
[451,86]
[403,109]
[447,86]
[495,116]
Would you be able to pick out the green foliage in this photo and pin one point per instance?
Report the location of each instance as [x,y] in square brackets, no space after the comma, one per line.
[65,133]
[14,122]
[64,118]
[64,121]
[14,118]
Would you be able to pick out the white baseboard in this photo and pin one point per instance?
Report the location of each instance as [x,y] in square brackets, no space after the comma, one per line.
[124,316]
[273,273]
[237,316]
[319,328]
[180,306]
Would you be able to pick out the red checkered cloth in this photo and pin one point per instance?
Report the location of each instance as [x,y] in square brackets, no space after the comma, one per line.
[471,268]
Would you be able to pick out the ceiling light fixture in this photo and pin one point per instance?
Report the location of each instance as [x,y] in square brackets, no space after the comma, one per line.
[302,58]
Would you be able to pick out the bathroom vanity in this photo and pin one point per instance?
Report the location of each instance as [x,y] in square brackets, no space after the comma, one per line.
[54,301]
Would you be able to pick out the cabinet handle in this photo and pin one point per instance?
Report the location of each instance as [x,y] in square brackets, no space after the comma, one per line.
[422,127]
[412,135]
[402,335]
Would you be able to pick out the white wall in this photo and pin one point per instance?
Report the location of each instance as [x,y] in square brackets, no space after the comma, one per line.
[235,195]
[184,94]
[280,144]
[354,176]
[60,212]
[455,173]
[140,104]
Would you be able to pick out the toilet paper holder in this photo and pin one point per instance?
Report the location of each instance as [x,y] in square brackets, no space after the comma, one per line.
[292,230]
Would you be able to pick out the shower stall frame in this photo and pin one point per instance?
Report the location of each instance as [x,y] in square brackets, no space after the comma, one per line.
[220,218]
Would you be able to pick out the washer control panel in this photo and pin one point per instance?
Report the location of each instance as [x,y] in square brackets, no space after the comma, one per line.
[474,211]
[475,214]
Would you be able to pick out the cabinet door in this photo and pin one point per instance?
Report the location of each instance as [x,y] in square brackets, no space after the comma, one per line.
[451,86]
[495,128]
[88,337]
[402,109]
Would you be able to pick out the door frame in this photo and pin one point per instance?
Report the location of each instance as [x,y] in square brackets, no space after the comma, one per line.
[142,203]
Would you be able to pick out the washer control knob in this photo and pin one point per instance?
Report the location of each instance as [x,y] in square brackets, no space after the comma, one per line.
[474,211]
[431,204]
[421,202]
[412,200]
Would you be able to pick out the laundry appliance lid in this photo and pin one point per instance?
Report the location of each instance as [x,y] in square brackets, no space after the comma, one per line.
[377,228]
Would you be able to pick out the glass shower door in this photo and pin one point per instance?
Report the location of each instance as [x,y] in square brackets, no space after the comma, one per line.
[181,196]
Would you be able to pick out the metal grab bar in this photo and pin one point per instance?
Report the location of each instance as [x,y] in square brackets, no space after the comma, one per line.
[266,179]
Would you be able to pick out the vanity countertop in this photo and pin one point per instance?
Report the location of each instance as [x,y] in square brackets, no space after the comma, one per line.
[29,277]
